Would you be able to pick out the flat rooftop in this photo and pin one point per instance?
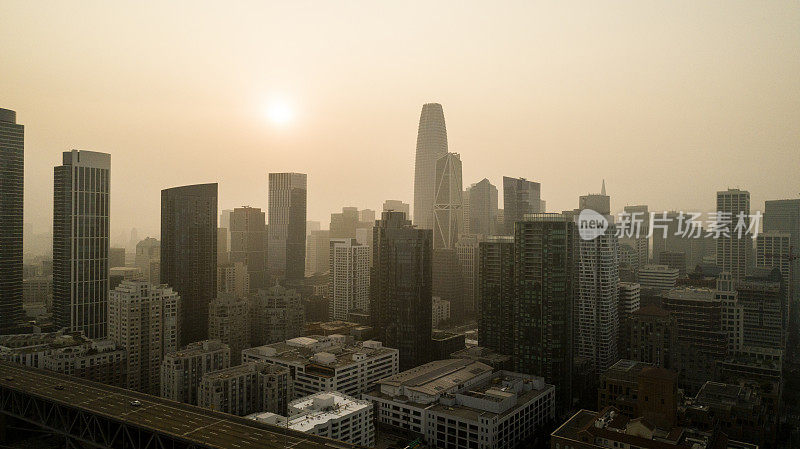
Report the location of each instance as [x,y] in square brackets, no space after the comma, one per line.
[301,351]
[196,425]
[438,377]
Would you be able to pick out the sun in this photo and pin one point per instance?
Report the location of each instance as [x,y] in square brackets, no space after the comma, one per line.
[279,112]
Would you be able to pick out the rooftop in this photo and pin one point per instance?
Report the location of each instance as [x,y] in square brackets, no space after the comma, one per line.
[332,350]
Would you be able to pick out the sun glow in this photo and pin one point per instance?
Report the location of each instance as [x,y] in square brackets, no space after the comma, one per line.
[279,112]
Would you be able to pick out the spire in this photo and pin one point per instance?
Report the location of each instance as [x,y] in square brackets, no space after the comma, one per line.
[603,189]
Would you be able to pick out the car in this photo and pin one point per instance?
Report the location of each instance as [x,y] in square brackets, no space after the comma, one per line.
[136,403]
[59,387]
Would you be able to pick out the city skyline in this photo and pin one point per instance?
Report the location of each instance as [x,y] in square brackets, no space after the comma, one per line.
[688,97]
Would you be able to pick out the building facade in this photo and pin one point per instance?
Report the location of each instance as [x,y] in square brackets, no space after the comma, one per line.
[349,278]
[733,211]
[229,322]
[248,245]
[287,224]
[182,371]
[12,173]
[276,314]
[520,197]
[431,146]
[247,388]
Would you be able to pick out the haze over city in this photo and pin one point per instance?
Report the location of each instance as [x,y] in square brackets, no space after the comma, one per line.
[669,102]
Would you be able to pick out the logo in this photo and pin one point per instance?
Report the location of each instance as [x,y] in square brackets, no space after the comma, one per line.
[591,224]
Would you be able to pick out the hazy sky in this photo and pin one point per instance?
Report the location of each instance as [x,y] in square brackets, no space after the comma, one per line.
[669,101]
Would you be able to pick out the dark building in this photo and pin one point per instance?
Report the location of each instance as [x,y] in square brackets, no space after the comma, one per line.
[444,343]
[545,276]
[344,223]
[116,257]
[400,289]
[80,242]
[248,230]
[520,197]
[674,259]
[287,225]
[650,336]
[12,171]
[480,201]
[189,253]
[496,273]
[448,283]
[761,295]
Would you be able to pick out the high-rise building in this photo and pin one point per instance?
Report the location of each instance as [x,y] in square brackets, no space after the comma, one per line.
[143,320]
[276,314]
[116,257]
[349,278]
[182,371]
[344,224]
[480,210]
[784,216]
[401,286]
[431,146]
[245,389]
[762,296]
[629,298]
[496,294]
[12,157]
[397,206]
[223,250]
[229,322]
[468,253]
[189,253]
[520,197]
[774,250]
[545,274]
[659,277]
[233,278]
[367,216]
[225,222]
[249,243]
[318,252]
[638,240]
[287,224]
[651,336]
[80,242]
[148,259]
[733,209]
[447,281]
[447,202]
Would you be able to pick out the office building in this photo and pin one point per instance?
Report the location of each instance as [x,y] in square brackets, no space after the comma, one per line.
[80,242]
[189,253]
[447,282]
[629,299]
[440,311]
[447,202]
[774,250]
[223,248]
[12,173]
[468,252]
[329,414]
[318,252]
[248,231]
[287,225]
[520,197]
[276,315]
[229,322]
[431,146]
[248,388]
[762,296]
[332,363]
[497,298]
[545,275]
[651,337]
[784,216]
[461,403]
[148,259]
[674,259]
[480,211]
[660,277]
[116,257]
[400,289]
[233,278]
[636,234]
[349,278]
[733,209]
[397,206]
[182,371]
[143,320]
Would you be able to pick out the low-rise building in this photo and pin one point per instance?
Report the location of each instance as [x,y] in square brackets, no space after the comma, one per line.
[182,371]
[659,277]
[329,363]
[246,388]
[330,414]
[461,403]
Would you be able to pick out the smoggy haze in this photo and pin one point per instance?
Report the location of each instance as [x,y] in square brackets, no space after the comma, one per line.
[706,96]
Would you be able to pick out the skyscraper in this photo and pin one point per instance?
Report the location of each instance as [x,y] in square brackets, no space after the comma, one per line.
[545,272]
[229,322]
[520,197]
[482,215]
[496,317]
[639,240]
[143,320]
[248,231]
[469,262]
[431,146]
[784,216]
[344,223]
[398,206]
[400,289]
[733,206]
[773,251]
[447,205]
[287,224]
[349,278]
[80,242]
[12,144]
[189,253]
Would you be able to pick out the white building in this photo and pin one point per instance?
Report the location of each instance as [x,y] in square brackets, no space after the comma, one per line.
[182,371]
[329,414]
[461,403]
[629,298]
[332,363]
[349,278]
[440,311]
[659,277]
[143,320]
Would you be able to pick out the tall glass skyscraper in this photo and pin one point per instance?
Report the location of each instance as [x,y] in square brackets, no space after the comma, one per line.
[431,146]
[12,144]
[248,235]
[447,205]
[189,253]
[520,197]
[80,242]
[287,225]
